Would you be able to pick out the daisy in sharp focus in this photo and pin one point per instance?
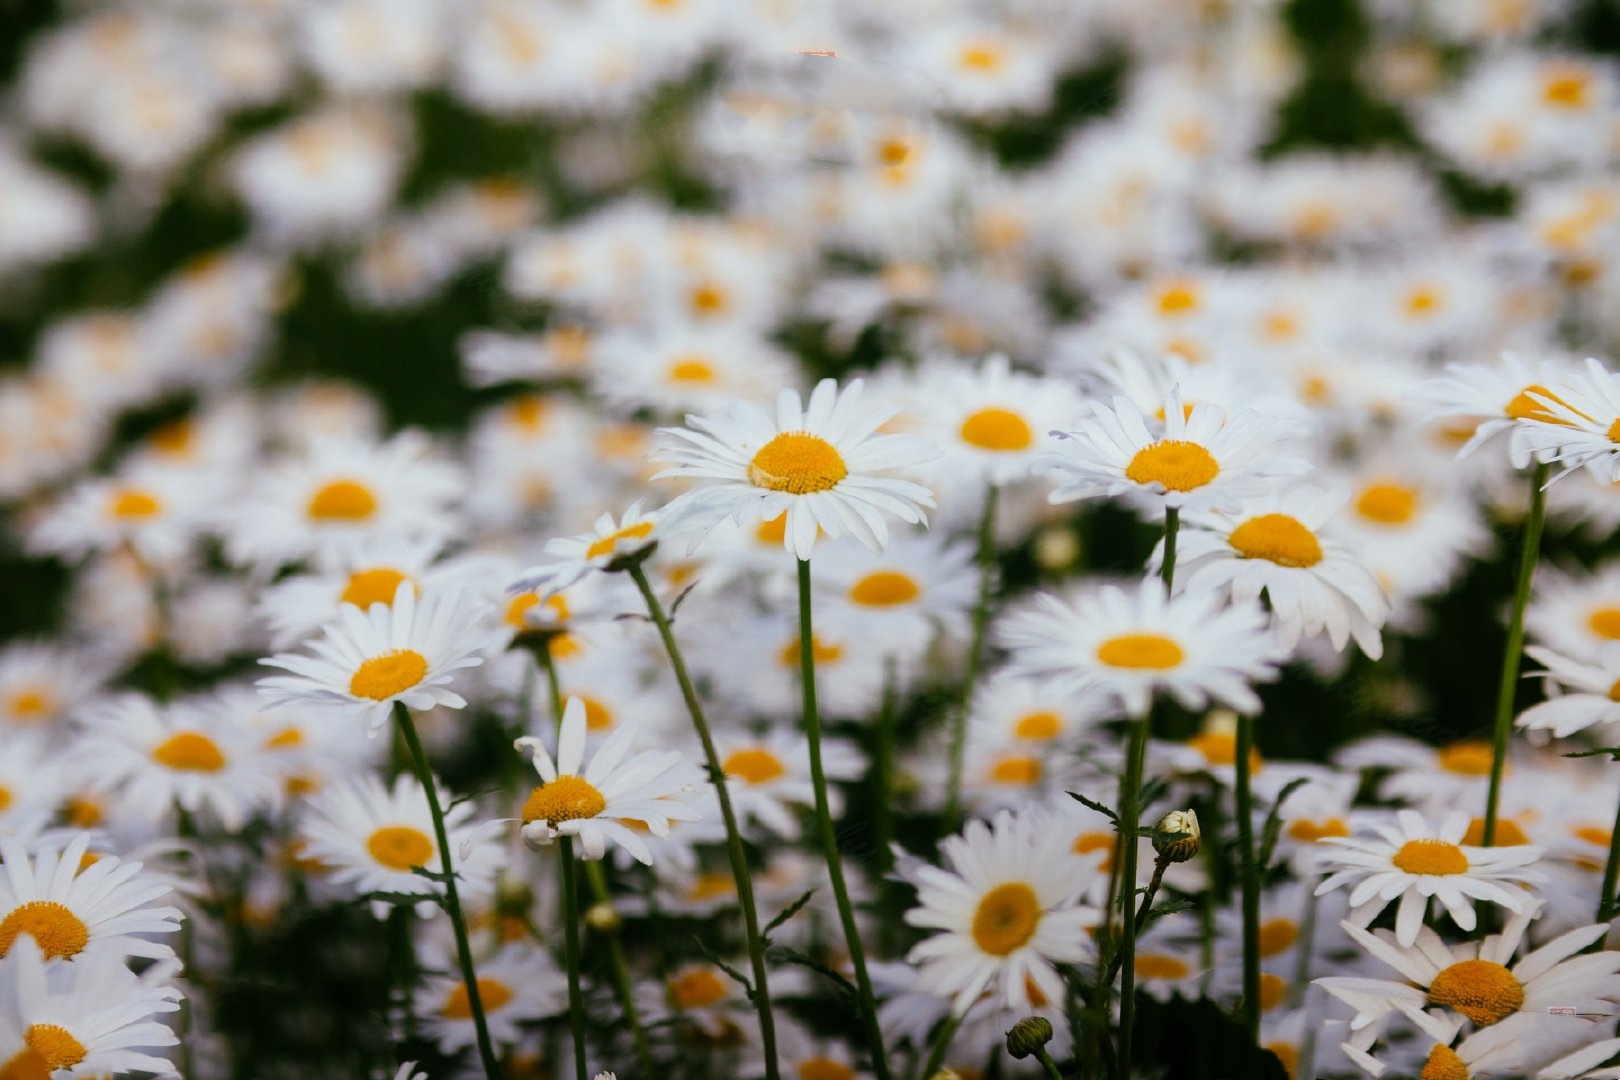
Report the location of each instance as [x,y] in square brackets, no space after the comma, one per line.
[596,802]
[1203,459]
[1414,861]
[366,661]
[104,905]
[1579,423]
[821,465]
[1128,645]
[1007,909]
[1495,399]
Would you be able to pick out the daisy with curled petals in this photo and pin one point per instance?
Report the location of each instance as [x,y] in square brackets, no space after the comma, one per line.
[1128,644]
[1008,908]
[1494,399]
[90,1018]
[598,802]
[609,547]
[1478,979]
[1276,544]
[68,907]
[366,661]
[1579,422]
[821,465]
[1415,861]
[1203,459]
[1587,694]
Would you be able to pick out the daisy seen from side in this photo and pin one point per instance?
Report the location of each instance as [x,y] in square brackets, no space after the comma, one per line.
[67,906]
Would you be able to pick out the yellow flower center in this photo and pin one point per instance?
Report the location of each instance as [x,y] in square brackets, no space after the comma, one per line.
[691,369]
[894,152]
[567,798]
[25,1065]
[1434,857]
[173,439]
[400,847]
[367,587]
[286,739]
[1087,842]
[1508,833]
[1566,89]
[381,677]
[1309,832]
[884,588]
[755,764]
[1177,299]
[1177,464]
[1468,757]
[598,717]
[819,652]
[343,500]
[5,797]
[980,58]
[1016,769]
[32,704]
[1443,1064]
[528,413]
[1273,989]
[135,503]
[56,1046]
[697,988]
[1038,726]
[1525,407]
[1387,504]
[797,462]
[83,812]
[1141,651]
[1614,432]
[1278,538]
[1423,300]
[820,1068]
[1288,1054]
[997,429]
[1594,834]
[1276,935]
[189,751]
[1158,966]
[607,544]
[772,532]
[59,932]
[1220,748]
[1007,917]
[708,299]
[1481,990]
[710,885]
[492,994]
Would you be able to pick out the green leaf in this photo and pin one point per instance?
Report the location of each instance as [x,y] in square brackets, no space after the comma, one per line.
[785,914]
[794,956]
[1095,805]
[736,976]
[1159,911]
[1273,827]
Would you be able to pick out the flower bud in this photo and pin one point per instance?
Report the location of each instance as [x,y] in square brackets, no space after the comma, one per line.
[603,918]
[1029,1036]
[1176,836]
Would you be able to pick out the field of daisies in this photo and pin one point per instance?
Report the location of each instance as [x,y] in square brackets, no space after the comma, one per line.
[809,539]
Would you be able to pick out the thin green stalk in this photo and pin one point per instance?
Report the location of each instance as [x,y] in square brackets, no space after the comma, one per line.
[734,845]
[942,1043]
[829,838]
[1250,878]
[570,916]
[1048,1064]
[1611,874]
[883,796]
[1172,526]
[1130,810]
[452,897]
[975,656]
[1528,553]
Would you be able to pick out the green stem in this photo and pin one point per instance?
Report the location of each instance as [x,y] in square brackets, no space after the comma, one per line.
[975,656]
[829,838]
[1530,549]
[1250,883]
[883,795]
[942,1043]
[1048,1064]
[1611,874]
[452,898]
[1130,810]
[734,846]
[1172,526]
[1159,867]
[570,916]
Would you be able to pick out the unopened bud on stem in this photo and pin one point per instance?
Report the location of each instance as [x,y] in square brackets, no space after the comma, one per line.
[1176,836]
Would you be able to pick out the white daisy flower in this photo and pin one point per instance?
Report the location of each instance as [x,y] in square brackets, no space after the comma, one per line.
[298,606]
[609,546]
[818,464]
[768,777]
[372,839]
[1493,400]
[992,424]
[683,368]
[1277,545]
[366,661]
[1008,908]
[156,512]
[1586,694]
[1203,460]
[1580,422]
[918,586]
[1576,614]
[41,683]
[90,1018]
[69,904]
[599,803]
[1414,861]
[516,985]
[1128,645]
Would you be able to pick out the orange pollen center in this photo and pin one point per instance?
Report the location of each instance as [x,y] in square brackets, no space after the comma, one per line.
[1177,300]
[1276,935]
[1443,1064]
[1278,538]
[1387,504]
[1614,432]
[1309,832]
[981,58]
[1422,300]
[709,300]
[819,652]
[773,531]
[709,886]
[1508,833]
[1525,407]
[884,588]
[1566,89]
[134,503]
[59,933]
[492,994]
[1605,623]
[608,544]
[1175,463]
[343,500]
[55,1045]
[997,429]
[1430,857]
[367,587]
[1153,652]
[400,847]
[755,764]
[598,717]
[173,438]
[189,751]
[1273,989]
[32,704]
[797,462]
[1153,966]
[517,607]
[1038,726]
[567,798]
[820,1068]
[1483,991]
[1220,748]
[5,797]
[25,1065]
[691,369]
[1469,757]
[1016,769]
[1594,834]
[697,988]
[381,677]
[894,152]
[1007,917]
[1087,842]
[285,739]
